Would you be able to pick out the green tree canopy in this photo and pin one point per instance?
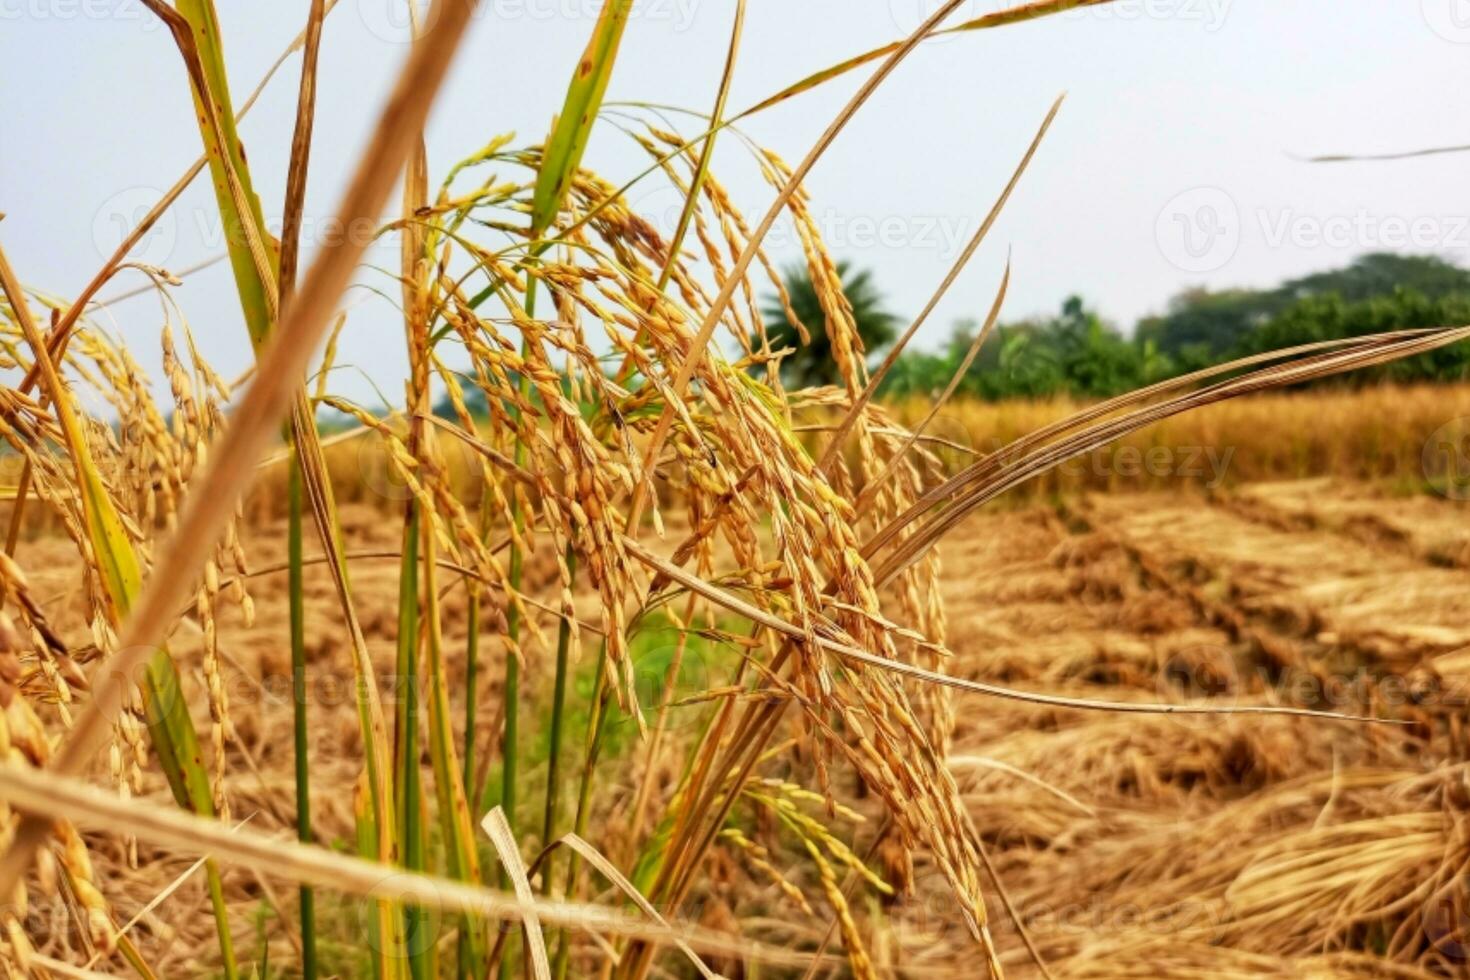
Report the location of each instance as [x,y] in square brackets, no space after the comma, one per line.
[1200,326]
[1074,352]
[813,364]
[1331,317]
[1077,353]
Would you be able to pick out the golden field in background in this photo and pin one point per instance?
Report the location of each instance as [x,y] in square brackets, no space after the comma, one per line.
[1377,433]
[1388,434]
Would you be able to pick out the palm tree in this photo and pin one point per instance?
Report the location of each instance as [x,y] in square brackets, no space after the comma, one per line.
[813,364]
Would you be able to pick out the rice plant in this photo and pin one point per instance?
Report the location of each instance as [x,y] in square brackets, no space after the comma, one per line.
[659,624]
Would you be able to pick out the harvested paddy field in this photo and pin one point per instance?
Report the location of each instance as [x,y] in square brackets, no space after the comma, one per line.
[1128,845]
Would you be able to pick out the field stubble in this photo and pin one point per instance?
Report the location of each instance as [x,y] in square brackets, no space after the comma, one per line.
[1161,846]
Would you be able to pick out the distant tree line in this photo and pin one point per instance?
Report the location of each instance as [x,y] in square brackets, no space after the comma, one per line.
[1076,352]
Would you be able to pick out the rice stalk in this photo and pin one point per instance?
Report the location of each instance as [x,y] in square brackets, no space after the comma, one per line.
[255,260]
[736,275]
[430,492]
[691,205]
[57,338]
[256,417]
[843,678]
[453,804]
[552,812]
[290,247]
[559,161]
[175,741]
[415,624]
[596,727]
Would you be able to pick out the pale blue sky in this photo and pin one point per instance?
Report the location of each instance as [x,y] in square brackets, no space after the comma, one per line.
[1172,162]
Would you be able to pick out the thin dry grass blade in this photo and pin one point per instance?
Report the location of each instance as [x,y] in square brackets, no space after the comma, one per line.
[38,964]
[1009,905]
[845,426]
[735,604]
[595,858]
[444,563]
[53,795]
[994,475]
[871,491]
[499,832]
[1013,15]
[986,762]
[609,871]
[1379,157]
[701,170]
[300,152]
